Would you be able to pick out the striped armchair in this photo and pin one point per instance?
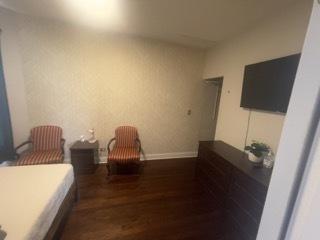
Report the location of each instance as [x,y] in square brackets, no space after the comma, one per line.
[126,149]
[46,147]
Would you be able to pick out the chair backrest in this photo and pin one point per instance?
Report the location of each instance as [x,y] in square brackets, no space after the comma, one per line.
[126,136]
[46,138]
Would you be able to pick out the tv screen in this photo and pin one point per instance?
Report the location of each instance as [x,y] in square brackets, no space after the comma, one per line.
[268,85]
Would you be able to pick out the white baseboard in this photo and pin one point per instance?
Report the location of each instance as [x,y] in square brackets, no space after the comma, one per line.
[160,156]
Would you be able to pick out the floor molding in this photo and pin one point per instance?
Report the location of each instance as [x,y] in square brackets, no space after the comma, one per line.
[160,156]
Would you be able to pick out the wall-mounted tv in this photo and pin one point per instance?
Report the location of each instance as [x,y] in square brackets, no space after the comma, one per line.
[267,85]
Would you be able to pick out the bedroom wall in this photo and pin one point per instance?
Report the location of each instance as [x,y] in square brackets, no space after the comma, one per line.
[283,34]
[80,80]
[11,60]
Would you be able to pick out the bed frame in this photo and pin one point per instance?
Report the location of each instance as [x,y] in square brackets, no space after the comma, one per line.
[60,219]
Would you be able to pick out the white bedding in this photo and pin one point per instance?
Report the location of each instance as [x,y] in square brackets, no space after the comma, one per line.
[30,197]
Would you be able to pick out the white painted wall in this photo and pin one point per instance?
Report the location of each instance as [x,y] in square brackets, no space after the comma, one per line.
[11,59]
[299,148]
[282,34]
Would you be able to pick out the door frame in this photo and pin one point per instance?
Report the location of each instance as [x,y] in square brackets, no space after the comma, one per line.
[218,81]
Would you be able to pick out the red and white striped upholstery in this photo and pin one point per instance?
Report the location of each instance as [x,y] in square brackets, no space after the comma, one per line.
[41,157]
[126,137]
[46,146]
[125,148]
[124,155]
[46,138]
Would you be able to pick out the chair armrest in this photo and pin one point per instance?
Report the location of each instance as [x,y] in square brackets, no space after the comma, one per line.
[139,144]
[63,141]
[20,146]
[108,146]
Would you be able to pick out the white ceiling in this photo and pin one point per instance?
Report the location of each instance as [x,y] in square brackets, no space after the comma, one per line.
[192,22]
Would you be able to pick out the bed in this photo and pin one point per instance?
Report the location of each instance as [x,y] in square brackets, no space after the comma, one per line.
[35,200]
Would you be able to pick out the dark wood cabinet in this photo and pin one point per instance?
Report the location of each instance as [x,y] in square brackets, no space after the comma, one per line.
[214,174]
[84,157]
[239,187]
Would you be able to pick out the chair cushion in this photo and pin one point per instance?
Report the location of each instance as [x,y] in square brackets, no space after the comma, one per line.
[46,138]
[124,155]
[41,157]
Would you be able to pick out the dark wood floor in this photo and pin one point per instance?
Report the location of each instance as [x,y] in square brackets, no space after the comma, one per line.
[163,203]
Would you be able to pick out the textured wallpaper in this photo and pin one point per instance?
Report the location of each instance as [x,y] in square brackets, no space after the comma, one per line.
[79,81]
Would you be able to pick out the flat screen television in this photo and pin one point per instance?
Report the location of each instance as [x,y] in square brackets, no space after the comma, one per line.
[267,85]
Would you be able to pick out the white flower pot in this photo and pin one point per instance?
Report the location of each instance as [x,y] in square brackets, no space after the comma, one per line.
[253,158]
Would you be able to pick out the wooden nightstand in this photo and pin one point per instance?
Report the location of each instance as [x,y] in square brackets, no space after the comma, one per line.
[84,157]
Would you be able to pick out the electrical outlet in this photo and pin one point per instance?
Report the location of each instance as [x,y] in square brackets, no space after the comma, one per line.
[103,149]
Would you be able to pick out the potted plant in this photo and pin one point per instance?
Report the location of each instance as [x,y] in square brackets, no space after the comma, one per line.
[257,151]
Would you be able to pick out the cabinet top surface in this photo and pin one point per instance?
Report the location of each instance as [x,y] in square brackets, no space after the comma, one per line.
[239,160]
[78,145]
